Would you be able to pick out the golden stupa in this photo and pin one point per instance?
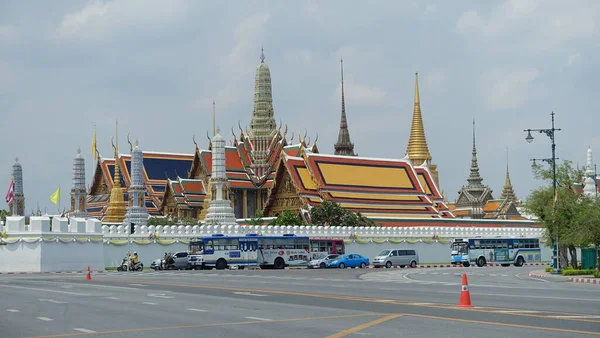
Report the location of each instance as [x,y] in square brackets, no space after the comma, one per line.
[117,207]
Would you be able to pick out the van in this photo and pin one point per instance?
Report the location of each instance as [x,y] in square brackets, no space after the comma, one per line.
[397,257]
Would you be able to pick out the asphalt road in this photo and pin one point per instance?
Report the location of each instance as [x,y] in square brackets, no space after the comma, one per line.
[297,303]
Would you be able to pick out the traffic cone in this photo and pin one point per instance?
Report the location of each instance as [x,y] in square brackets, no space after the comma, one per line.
[89,274]
[465,296]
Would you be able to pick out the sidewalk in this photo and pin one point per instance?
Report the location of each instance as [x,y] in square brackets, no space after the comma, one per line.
[560,278]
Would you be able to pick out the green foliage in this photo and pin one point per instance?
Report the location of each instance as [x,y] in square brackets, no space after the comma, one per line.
[330,213]
[172,221]
[550,269]
[257,219]
[573,272]
[287,218]
[3,214]
[597,274]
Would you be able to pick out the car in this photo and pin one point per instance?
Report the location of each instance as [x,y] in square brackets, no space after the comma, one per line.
[321,263]
[395,257]
[349,261]
[195,262]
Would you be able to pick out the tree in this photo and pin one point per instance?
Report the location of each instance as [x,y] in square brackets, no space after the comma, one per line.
[257,219]
[587,226]
[3,214]
[287,218]
[330,213]
[562,218]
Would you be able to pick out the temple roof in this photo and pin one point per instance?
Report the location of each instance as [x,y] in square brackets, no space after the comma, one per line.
[374,187]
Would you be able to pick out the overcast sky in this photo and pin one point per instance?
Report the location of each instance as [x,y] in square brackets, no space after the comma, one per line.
[157,66]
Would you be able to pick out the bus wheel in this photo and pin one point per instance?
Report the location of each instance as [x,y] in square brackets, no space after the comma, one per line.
[466,264]
[481,262]
[279,263]
[520,261]
[221,264]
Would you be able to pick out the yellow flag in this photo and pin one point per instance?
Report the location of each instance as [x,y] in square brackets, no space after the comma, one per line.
[94,143]
[55,198]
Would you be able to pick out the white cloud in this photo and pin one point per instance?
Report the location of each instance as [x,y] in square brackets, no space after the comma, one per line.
[303,56]
[7,32]
[101,19]
[435,80]
[533,24]
[360,94]
[510,89]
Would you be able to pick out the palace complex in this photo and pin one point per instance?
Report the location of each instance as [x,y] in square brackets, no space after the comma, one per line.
[268,172]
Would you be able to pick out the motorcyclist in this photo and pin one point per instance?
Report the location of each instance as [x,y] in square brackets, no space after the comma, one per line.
[134,260]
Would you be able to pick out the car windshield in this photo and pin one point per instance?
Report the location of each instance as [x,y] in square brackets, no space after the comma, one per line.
[384,253]
[330,257]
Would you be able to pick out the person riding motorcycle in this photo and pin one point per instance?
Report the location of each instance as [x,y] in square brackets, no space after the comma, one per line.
[134,260]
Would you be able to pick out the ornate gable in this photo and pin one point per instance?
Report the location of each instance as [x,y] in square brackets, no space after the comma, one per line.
[284,195]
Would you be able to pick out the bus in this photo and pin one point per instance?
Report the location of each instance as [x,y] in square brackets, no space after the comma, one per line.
[320,248]
[220,251]
[505,251]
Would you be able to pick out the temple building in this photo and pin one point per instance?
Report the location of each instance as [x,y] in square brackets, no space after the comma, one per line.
[417,149]
[344,146]
[137,214]
[473,196]
[17,207]
[590,185]
[78,188]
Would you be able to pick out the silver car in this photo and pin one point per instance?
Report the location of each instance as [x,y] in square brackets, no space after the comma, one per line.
[322,262]
[396,257]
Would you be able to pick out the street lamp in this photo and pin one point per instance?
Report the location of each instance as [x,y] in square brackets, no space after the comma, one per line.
[551,161]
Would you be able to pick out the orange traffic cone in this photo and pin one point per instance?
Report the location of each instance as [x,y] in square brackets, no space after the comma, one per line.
[465,296]
[89,274]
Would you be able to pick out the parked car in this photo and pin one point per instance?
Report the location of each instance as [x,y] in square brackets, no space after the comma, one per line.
[396,257]
[348,260]
[321,263]
[195,262]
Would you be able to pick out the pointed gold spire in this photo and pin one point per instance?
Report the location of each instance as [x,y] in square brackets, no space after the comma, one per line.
[508,192]
[115,213]
[417,149]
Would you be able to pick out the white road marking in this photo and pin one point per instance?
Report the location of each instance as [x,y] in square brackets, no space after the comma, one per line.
[80,329]
[577,317]
[516,311]
[250,294]
[159,295]
[385,300]
[46,319]
[149,303]
[46,290]
[197,310]
[259,318]
[113,298]
[137,284]
[12,310]
[52,301]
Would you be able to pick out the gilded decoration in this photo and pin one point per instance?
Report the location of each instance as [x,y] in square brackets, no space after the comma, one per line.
[286,195]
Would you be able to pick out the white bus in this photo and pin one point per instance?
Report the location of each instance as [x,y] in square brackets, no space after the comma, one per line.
[220,251]
[505,251]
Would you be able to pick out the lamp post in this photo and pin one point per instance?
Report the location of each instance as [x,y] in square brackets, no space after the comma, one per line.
[552,161]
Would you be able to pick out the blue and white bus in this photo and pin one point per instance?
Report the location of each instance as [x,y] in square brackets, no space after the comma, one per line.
[220,251]
[505,251]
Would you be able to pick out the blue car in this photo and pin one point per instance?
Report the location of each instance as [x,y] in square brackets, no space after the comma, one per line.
[349,261]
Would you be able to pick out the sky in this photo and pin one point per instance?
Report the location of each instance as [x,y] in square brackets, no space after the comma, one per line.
[156,66]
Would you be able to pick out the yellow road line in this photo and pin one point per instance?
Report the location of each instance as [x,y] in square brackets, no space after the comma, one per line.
[505,324]
[208,325]
[362,299]
[364,326]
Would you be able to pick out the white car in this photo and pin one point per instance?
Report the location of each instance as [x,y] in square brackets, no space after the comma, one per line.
[195,262]
[321,263]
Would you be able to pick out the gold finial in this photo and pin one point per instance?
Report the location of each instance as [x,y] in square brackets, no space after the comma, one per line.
[417,144]
[262,55]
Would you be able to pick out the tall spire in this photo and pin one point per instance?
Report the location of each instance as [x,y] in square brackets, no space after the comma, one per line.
[508,193]
[220,210]
[417,149]
[115,213]
[78,189]
[137,214]
[18,204]
[475,178]
[262,126]
[344,146]
[214,119]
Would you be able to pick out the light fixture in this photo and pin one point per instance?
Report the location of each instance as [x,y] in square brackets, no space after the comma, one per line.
[529,138]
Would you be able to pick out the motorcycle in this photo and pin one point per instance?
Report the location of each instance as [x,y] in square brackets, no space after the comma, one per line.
[125,266]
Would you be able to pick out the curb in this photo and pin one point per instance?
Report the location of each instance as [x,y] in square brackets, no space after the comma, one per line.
[455,266]
[51,272]
[585,280]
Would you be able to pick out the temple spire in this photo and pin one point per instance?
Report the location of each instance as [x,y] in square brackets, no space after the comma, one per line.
[78,188]
[475,178]
[508,193]
[417,149]
[344,146]
[214,119]
[115,213]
